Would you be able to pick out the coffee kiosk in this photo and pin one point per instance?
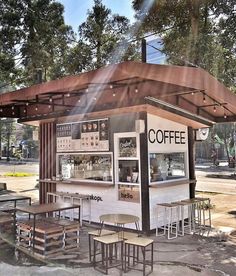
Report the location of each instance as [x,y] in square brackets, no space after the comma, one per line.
[124,134]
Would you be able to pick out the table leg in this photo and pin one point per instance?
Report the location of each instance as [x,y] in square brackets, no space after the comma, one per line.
[30,205]
[34,232]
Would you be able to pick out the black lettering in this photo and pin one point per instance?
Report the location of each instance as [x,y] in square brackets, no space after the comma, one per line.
[149,136]
[166,135]
[182,137]
[171,136]
[177,137]
[162,136]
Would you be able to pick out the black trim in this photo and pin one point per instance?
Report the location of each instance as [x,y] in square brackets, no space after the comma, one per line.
[144,176]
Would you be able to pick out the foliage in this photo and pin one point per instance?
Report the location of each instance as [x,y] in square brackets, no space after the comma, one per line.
[195,32]
[103,37]
[33,37]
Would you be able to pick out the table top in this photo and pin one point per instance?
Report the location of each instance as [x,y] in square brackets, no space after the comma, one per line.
[119,218]
[47,208]
[5,198]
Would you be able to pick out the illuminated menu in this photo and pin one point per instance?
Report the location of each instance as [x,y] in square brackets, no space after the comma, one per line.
[83,136]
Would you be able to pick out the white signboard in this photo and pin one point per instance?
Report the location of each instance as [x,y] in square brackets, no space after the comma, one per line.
[165,135]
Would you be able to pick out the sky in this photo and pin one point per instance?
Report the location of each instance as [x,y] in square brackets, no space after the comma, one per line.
[76,10]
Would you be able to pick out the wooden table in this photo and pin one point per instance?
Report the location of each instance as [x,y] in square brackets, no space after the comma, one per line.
[119,220]
[45,209]
[14,198]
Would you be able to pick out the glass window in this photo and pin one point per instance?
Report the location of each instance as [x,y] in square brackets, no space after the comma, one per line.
[96,167]
[128,171]
[167,166]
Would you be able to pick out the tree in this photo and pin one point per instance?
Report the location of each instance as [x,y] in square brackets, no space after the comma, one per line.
[103,38]
[194,33]
[33,38]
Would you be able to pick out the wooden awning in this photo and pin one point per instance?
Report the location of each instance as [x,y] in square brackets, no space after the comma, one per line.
[127,84]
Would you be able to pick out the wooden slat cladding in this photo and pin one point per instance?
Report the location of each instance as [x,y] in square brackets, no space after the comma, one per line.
[47,158]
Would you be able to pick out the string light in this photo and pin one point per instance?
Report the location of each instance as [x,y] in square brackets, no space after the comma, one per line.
[68,95]
[136,90]
[111,86]
[13,107]
[27,103]
[204,98]
[50,99]
[192,93]
[114,94]
[36,108]
[49,106]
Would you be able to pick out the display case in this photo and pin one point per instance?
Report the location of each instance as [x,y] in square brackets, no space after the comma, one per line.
[86,167]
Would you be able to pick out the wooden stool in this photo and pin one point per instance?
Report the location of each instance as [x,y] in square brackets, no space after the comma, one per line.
[23,234]
[138,244]
[185,218]
[170,220]
[97,233]
[70,232]
[109,258]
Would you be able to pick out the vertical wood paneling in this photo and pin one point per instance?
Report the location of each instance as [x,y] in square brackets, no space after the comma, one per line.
[47,158]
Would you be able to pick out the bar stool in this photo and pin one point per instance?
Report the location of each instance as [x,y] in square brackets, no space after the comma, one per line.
[205,207]
[138,244]
[170,220]
[109,258]
[97,233]
[185,224]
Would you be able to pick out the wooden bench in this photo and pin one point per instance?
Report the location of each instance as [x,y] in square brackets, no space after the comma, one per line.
[48,237]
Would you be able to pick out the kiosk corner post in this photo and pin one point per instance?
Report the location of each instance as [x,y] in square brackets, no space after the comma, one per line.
[144,177]
[191,156]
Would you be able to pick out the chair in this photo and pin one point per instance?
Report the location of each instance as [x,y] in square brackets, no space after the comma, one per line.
[97,233]
[110,257]
[138,244]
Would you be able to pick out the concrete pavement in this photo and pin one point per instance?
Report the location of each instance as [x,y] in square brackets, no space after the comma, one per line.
[191,255]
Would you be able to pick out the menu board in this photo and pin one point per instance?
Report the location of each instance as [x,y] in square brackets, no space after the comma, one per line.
[127,147]
[83,136]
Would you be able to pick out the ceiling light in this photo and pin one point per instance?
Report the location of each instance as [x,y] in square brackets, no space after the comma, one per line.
[49,106]
[111,86]
[192,93]
[214,108]
[13,107]
[36,108]
[136,89]
[1,110]
[114,94]
[27,103]
[50,99]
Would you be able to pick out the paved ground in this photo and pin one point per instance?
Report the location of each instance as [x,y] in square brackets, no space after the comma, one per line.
[209,255]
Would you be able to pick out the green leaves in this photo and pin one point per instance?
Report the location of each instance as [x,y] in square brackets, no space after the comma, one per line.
[197,32]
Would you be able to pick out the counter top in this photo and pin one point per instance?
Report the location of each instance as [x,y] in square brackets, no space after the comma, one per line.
[77,182]
[163,184]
